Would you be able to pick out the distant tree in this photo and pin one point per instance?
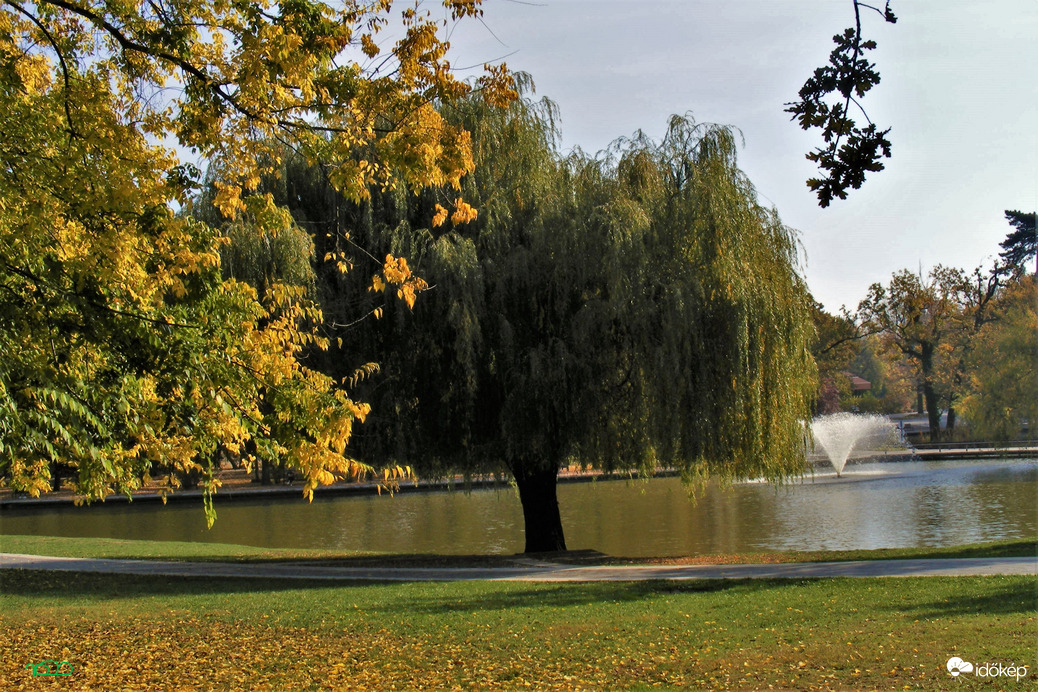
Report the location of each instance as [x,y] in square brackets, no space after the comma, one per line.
[850,150]
[837,339]
[1022,242]
[842,346]
[920,319]
[892,383]
[836,342]
[1003,367]
[935,323]
[978,299]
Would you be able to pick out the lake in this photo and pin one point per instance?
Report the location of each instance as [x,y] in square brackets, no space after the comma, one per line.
[874,505]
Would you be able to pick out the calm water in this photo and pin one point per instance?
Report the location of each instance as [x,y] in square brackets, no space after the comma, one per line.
[872,506]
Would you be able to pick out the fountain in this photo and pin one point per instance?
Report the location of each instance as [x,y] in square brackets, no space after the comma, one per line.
[838,433]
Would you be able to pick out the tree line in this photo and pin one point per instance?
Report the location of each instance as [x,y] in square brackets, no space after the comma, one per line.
[949,342]
[379,241]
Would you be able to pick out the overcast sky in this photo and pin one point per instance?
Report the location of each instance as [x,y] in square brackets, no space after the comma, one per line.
[959,90]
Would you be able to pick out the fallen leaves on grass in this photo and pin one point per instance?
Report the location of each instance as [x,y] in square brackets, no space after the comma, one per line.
[191,653]
[174,634]
[218,653]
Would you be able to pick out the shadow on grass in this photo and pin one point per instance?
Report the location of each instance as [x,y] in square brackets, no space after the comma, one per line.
[998,596]
[944,597]
[517,596]
[412,597]
[1014,596]
[208,553]
[94,585]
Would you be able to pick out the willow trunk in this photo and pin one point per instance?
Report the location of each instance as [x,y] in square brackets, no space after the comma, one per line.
[543,522]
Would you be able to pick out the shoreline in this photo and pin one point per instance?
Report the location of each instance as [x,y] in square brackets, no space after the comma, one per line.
[534,570]
[246,489]
[238,484]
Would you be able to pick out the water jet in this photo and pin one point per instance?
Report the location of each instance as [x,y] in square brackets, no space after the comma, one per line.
[839,433]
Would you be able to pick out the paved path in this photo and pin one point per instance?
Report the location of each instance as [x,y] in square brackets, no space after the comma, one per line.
[536,571]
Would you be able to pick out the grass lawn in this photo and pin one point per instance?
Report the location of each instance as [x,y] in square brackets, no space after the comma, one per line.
[61,546]
[134,632]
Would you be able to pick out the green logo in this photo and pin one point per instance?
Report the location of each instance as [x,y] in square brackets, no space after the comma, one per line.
[49,668]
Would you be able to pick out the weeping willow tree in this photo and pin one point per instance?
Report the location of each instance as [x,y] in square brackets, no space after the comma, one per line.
[263,246]
[709,332]
[628,312]
[664,325]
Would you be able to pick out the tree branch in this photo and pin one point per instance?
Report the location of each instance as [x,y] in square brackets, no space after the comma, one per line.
[129,44]
[26,274]
[61,60]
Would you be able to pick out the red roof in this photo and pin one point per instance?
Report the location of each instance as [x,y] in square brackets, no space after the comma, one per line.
[858,384]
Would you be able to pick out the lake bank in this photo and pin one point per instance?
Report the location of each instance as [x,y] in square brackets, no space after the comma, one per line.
[239,483]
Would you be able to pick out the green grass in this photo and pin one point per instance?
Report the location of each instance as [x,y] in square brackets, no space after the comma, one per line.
[126,632]
[149,632]
[188,551]
[60,546]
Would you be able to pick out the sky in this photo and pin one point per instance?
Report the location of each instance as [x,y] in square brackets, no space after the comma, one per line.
[959,91]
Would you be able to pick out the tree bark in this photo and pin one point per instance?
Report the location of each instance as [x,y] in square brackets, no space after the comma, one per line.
[537,493]
[933,412]
[265,477]
[933,408]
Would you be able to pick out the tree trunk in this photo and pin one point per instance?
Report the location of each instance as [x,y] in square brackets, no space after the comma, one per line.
[933,409]
[265,478]
[933,412]
[537,493]
[950,424]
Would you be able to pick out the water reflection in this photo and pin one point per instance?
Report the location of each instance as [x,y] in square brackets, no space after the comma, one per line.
[872,506]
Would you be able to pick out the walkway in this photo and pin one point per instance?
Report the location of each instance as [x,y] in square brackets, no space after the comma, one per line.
[536,571]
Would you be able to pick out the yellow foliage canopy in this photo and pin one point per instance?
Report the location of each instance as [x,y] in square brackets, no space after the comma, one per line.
[124,351]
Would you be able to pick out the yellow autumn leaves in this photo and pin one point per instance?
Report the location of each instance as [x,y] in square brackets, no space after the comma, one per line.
[395,272]
[463,213]
[34,73]
[322,76]
[164,359]
[168,634]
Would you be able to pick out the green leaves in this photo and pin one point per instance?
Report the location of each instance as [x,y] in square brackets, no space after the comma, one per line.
[629,311]
[1021,244]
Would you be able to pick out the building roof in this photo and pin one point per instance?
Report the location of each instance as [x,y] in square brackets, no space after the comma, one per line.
[858,384]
